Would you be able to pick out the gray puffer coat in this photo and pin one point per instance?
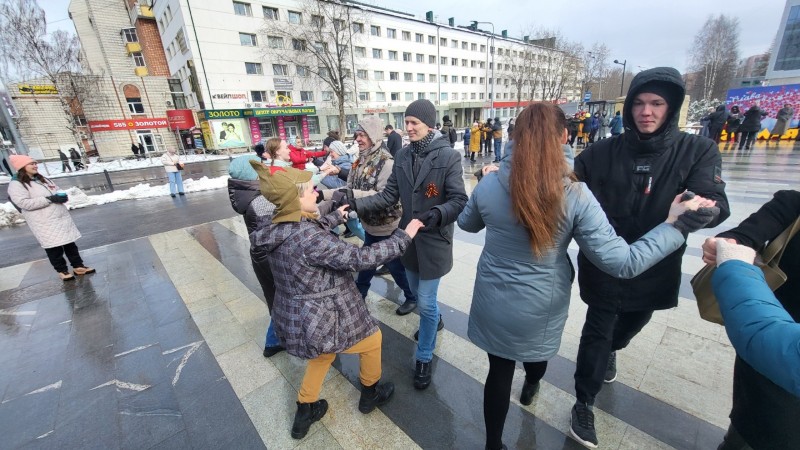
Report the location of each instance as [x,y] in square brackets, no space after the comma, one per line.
[318,308]
[520,302]
[49,222]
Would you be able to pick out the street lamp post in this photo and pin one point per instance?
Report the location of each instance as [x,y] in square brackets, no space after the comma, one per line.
[623,64]
[474,27]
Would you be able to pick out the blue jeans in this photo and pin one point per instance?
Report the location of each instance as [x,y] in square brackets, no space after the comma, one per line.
[395,267]
[333,182]
[428,309]
[272,338]
[498,149]
[175,182]
[354,225]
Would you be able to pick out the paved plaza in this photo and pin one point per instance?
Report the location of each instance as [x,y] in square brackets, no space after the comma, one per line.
[162,347]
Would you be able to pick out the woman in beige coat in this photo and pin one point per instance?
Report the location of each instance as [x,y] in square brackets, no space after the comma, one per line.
[173,166]
[42,206]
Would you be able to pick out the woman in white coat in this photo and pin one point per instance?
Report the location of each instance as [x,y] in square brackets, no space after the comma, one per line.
[173,166]
[43,208]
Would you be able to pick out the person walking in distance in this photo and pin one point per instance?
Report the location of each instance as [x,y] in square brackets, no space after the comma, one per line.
[42,205]
[135,151]
[427,180]
[141,151]
[76,159]
[635,176]
[751,126]
[64,161]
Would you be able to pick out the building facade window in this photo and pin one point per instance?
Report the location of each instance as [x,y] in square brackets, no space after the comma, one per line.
[394,76]
[135,105]
[421,77]
[295,18]
[377,53]
[419,37]
[363,96]
[138,59]
[379,75]
[361,74]
[375,30]
[406,35]
[242,9]
[420,58]
[358,27]
[395,96]
[306,96]
[270,13]
[129,34]
[258,96]
[392,55]
[360,51]
[391,33]
[303,71]
[278,69]
[431,59]
[249,40]
[380,96]
[408,76]
[298,44]
[327,96]
[788,57]
[432,40]
[406,56]
[409,96]
[317,21]
[313,124]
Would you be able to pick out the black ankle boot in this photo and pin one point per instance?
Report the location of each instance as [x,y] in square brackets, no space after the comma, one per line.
[422,375]
[375,395]
[528,391]
[307,413]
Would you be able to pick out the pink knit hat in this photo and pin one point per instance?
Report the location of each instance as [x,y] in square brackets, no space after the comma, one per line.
[20,161]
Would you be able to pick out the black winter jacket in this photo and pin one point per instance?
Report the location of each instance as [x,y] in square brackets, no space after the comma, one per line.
[717,118]
[752,119]
[394,142]
[763,413]
[635,182]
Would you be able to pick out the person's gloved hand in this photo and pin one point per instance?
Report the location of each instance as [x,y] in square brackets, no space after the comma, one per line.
[691,221]
[430,218]
[58,198]
[727,251]
[343,196]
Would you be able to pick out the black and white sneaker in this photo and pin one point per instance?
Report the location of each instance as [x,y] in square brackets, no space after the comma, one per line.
[582,425]
[611,368]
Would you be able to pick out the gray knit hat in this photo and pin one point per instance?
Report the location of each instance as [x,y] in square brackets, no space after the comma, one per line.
[424,111]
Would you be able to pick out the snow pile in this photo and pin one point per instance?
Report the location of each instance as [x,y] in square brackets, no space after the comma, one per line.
[78,199]
[53,168]
[9,215]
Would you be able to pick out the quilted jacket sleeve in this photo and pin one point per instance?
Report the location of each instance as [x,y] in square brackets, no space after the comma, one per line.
[21,196]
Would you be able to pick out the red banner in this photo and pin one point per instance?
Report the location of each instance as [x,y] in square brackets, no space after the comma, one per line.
[180,119]
[127,124]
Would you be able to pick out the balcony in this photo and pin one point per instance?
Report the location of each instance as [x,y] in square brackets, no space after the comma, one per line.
[141,71]
[132,47]
[140,10]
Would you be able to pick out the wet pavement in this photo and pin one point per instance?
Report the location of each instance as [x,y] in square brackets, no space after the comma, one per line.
[161,348]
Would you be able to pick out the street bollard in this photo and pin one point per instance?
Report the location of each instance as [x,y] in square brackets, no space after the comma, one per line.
[108,180]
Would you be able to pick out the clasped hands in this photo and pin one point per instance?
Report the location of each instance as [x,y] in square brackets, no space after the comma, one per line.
[689,212]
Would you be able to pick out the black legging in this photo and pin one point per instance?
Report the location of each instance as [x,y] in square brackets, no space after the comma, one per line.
[497,393]
[56,257]
[747,139]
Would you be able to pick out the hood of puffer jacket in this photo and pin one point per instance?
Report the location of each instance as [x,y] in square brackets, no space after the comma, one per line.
[241,193]
[670,79]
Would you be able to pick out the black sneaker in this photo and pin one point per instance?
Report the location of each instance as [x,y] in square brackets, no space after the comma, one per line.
[307,413]
[422,375]
[439,328]
[375,395]
[611,368]
[582,425]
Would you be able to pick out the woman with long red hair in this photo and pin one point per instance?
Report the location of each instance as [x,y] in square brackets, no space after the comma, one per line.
[532,208]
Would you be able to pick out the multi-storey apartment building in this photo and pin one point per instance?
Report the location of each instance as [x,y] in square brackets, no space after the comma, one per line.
[784,64]
[227,56]
[122,48]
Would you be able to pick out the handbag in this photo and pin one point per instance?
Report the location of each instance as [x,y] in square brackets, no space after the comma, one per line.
[179,166]
[768,261]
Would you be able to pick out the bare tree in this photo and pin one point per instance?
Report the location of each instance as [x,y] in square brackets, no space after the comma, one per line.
[320,48]
[714,55]
[28,51]
[521,66]
[556,65]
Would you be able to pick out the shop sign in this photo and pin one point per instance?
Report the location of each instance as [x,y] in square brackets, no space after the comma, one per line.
[180,119]
[374,110]
[224,114]
[127,124]
[283,84]
[37,89]
[285,111]
[230,96]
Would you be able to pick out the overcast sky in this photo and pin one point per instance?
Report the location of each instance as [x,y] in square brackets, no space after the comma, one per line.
[645,33]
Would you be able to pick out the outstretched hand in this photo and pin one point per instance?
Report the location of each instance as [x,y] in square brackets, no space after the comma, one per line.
[687,201]
[710,249]
[413,227]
